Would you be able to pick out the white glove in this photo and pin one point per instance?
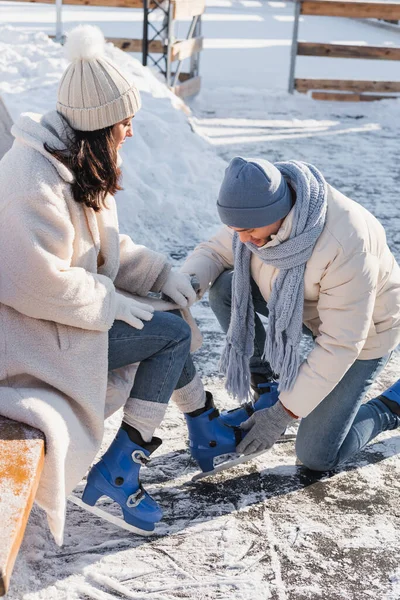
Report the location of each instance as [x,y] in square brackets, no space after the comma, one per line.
[132,312]
[179,289]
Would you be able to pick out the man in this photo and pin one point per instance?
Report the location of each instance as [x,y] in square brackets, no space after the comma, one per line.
[298,251]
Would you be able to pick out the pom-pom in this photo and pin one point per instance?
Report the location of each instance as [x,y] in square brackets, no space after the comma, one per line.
[84,42]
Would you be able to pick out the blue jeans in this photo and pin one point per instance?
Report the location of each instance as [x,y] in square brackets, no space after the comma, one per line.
[340,426]
[163,349]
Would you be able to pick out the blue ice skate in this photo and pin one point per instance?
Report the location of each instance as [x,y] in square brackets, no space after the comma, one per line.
[116,475]
[209,437]
[268,397]
[391,397]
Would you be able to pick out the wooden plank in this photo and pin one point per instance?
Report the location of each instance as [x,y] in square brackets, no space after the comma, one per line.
[188,88]
[21,463]
[113,3]
[186,48]
[349,97]
[304,85]
[351,9]
[6,139]
[128,45]
[183,9]
[347,51]
[182,76]
[187,9]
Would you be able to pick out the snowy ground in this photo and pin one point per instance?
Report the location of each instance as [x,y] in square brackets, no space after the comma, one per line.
[269,529]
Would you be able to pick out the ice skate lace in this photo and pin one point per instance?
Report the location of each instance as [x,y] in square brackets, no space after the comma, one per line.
[139,457]
[134,499]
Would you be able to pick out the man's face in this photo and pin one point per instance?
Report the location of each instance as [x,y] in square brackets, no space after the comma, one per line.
[258,236]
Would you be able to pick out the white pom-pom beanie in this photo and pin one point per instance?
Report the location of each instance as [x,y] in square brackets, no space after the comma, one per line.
[93,92]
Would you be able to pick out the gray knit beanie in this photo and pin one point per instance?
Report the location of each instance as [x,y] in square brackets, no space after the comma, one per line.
[253,194]
[93,92]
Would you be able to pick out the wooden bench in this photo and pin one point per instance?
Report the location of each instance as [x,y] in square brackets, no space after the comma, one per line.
[21,463]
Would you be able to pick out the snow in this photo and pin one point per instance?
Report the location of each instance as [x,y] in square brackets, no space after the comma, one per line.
[267,529]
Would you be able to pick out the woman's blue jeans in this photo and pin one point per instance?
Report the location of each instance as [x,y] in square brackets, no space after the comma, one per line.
[163,349]
[341,425]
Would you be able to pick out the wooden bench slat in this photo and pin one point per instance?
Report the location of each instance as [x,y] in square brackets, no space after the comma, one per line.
[349,97]
[357,10]
[21,464]
[187,9]
[190,87]
[186,48]
[304,85]
[347,51]
[183,9]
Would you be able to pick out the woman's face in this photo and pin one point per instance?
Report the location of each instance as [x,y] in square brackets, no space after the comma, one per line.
[121,131]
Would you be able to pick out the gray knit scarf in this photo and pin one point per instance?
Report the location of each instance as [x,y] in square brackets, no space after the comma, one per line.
[286,302]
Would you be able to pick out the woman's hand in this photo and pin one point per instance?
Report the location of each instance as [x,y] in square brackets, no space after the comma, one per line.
[264,428]
[132,312]
[179,288]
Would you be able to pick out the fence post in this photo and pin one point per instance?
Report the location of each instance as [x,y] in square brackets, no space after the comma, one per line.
[171,33]
[297,8]
[145,41]
[59,30]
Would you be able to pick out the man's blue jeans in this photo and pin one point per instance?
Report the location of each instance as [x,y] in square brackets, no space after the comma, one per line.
[341,425]
[163,349]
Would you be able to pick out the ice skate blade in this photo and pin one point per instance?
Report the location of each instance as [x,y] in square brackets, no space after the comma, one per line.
[239,460]
[227,465]
[99,512]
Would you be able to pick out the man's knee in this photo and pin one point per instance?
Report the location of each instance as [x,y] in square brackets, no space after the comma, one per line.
[315,459]
[221,290]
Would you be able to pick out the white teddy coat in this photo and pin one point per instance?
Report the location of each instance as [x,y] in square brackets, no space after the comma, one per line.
[60,264]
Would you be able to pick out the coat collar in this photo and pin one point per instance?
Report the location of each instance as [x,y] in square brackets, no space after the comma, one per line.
[34,130]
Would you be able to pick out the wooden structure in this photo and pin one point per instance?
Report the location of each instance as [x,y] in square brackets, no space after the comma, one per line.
[158,44]
[341,89]
[21,463]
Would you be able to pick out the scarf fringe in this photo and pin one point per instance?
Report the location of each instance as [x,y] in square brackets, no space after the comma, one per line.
[237,370]
[290,367]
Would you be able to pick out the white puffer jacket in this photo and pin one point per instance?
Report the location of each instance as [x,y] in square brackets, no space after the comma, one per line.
[351,290]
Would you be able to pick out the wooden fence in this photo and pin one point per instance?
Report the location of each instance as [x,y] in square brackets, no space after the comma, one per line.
[160,42]
[342,89]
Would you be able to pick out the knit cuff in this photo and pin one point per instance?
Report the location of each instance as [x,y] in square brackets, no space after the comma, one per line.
[144,416]
[162,278]
[191,396]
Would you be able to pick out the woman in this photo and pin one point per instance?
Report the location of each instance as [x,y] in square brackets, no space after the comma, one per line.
[67,314]
[299,252]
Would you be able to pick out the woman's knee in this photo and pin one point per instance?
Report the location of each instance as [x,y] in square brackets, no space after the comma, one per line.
[175,327]
[221,290]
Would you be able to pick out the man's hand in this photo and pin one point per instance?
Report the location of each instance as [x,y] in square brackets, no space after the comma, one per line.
[179,288]
[264,428]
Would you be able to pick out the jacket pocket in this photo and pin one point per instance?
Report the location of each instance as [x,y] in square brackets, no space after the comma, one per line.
[64,341]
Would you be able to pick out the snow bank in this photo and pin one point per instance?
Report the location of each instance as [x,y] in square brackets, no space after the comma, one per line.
[170,175]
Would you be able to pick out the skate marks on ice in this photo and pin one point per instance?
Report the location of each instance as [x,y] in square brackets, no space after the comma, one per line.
[265,529]
[268,529]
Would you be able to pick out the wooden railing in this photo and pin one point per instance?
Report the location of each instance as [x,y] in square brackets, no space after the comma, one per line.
[341,89]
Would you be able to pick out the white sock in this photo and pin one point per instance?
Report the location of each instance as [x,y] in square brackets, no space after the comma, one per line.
[144,416]
[190,397]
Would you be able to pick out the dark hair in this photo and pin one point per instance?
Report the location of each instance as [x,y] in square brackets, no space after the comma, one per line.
[92,157]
